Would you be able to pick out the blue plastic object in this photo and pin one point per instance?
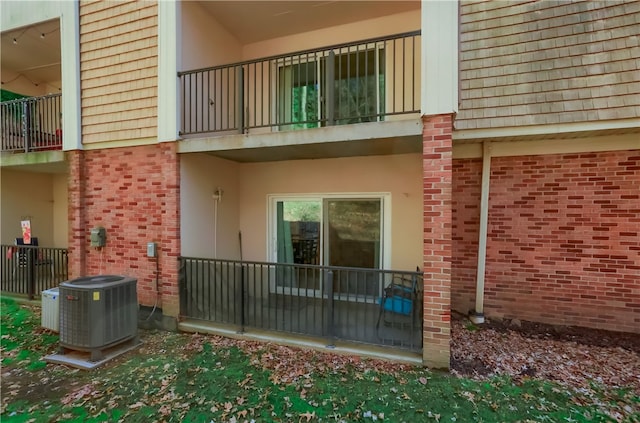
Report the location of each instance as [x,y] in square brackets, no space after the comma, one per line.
[398,305]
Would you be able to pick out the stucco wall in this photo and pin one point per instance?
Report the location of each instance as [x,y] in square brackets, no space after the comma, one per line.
[27,195]
[370,28]
[201,175]
[398,175]
[204,42]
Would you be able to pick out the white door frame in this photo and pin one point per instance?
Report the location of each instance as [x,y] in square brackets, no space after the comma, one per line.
[272,242]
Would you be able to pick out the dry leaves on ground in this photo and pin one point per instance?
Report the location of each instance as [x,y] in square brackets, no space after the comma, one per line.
[577,363]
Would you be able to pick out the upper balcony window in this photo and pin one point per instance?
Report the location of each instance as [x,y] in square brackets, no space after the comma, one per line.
[332,89]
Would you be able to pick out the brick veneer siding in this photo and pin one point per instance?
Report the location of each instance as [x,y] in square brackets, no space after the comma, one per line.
[77,242]
[436,168]
[465,208]
[133,193]
[563,239]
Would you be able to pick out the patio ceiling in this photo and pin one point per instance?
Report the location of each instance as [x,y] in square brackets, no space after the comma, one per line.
[32,53]
[251,21]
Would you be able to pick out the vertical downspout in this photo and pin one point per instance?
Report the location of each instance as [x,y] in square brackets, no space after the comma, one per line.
[477,315]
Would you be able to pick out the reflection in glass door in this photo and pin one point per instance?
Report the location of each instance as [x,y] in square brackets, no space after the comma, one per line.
[338,87]
[343,232]
[298,241]
[353,235]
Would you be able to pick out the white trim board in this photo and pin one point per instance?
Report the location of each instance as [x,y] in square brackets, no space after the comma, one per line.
[542,130]
[556,146]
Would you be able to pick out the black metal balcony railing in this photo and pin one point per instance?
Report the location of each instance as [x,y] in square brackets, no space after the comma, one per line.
[320,301]
[32,123]
[365,81]
[30,270]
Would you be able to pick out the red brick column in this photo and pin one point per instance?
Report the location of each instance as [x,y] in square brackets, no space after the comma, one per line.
[437,184]
[134,193]
[170,233]
[77,241]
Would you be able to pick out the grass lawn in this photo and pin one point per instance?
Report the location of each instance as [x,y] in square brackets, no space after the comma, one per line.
[194,378]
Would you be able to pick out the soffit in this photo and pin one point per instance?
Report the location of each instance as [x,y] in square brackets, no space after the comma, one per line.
[252,21]
[32,56]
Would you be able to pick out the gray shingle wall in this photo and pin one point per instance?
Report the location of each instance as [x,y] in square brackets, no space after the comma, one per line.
[548,62]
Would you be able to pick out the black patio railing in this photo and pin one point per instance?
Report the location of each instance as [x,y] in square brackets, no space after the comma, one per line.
[30,270]
[320,301]
[32,124]
[364,81]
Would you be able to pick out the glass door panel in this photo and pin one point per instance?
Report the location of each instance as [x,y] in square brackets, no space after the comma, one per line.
[298,95]
[353,239]
[341,232]
[359,86]
[298,242]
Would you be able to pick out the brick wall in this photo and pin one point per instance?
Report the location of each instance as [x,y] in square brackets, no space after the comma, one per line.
[563,239]
[465,207]
[134,194]
[77,242]
[436,168]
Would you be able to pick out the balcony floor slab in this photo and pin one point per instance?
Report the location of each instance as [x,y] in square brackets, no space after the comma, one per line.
[364,139]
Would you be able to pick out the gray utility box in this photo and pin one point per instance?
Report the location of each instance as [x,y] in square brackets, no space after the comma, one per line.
[97,312]
[51,309]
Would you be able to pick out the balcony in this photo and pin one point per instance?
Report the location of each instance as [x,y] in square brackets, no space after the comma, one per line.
[372,80]
[32,124]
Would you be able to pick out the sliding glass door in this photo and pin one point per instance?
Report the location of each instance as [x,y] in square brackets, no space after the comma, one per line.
[336,88]
[334,231]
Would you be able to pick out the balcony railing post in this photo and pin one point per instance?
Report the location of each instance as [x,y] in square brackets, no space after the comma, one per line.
[328,283]
[25,125]
[242,298]
[240,103]
[31,280]
[329,91]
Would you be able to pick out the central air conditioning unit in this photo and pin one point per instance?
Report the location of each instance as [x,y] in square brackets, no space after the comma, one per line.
[98,312]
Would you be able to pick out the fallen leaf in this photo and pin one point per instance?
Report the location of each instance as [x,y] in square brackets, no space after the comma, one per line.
[308,415]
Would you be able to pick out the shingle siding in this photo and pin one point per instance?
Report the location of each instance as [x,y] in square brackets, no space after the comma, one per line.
[118,71]
[547,62]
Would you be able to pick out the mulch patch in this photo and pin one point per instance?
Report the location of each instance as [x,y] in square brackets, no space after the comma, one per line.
[577,334]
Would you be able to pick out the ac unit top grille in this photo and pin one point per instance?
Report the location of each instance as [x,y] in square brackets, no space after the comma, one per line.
[95,282]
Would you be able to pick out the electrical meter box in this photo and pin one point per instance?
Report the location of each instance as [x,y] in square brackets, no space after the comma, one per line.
[152,249]
[98,237]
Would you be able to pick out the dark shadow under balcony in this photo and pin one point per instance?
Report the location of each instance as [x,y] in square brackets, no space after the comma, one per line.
[32,124]
[371,80]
